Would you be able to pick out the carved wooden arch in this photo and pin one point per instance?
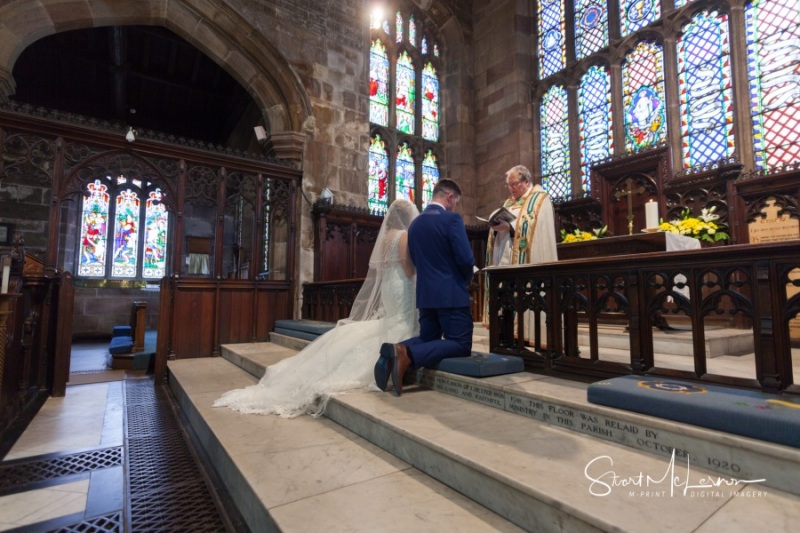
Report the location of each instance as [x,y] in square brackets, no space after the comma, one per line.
[114,163]
[212,26]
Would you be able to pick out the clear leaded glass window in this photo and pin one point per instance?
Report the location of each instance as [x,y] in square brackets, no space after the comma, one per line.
[595,120]
[555,141]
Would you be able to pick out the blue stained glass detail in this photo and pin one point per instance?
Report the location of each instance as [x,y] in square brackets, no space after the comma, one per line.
[705,90]
[594,120]
[552,49]
[591,27]
[636,14]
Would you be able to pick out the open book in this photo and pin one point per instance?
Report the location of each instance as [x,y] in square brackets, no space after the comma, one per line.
[500,214]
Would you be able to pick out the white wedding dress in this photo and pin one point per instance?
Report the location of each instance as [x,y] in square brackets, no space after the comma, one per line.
[343,358]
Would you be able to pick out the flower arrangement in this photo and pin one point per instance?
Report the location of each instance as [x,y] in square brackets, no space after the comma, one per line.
[580,235]
[703,227]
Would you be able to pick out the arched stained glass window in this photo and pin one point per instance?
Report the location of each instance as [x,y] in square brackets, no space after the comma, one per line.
[127,238]
[378,198]
[94,226]
[430,175]
[405,93]
[636,14]
[643,99]
[552,48]
[773,56]
[430,103]
[378,84]
[398,22]
[402,136]
[704,76]
[555,142]
[126,235]
[595,120]
[405,173]
[591,27]
[155,242]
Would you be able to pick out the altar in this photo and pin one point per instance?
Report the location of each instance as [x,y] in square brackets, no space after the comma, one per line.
[638,243]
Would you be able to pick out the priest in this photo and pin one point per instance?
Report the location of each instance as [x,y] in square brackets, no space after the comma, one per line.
[528,239]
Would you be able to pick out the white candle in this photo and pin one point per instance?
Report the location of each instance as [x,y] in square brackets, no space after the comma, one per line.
[651,214]
[6,274]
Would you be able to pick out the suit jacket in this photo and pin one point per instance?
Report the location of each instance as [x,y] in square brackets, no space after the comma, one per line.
[440,250]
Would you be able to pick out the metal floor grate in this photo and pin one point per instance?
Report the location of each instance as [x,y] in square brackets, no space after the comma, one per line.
[18,474]
[168,492]
[165,488]
[112,523]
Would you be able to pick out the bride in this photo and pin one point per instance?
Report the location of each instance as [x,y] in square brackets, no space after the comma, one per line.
[342,359]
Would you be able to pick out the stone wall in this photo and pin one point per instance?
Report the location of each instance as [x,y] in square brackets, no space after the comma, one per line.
[99,309]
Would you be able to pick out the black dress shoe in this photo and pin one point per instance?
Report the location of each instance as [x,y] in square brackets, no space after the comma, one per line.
[383,368]
[400,365]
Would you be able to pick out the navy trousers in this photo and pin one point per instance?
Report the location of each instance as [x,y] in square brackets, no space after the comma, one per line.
[443,333]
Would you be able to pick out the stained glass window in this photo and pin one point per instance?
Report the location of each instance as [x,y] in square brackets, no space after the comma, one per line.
[643,100]
[772,28]
[552,49]
[398,23]
[704,75]
[636,14]
[430,175]
[405,93]
[555,142]
[404,72]
[430,103]
[94,220]
[155,241]
[591,27]
[126,239]
[378,84]
[378,194]
[126,235]
[594,120]
[404,173]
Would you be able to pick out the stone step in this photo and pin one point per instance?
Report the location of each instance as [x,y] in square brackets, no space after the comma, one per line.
[299,474]
[718,341]
[563,403]
[311,474]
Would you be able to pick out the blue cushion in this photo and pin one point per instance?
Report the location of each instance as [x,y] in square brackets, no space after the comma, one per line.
[121,331]
[297,334]
[482,365]
[760,415]
[315,327]
[120,345]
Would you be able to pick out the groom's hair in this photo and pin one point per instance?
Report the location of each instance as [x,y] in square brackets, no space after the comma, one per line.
[445,186]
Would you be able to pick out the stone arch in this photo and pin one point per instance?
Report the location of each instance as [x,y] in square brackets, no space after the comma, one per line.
[210,25]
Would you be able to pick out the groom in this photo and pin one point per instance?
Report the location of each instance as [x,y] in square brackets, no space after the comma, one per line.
[441,253]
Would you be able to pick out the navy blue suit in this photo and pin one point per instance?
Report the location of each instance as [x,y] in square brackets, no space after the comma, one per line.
[441,253]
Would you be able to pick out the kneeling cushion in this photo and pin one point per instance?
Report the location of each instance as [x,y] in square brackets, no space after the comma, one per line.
[482,365]
[120,345]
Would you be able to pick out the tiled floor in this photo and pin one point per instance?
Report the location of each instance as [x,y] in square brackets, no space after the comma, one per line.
[68,469]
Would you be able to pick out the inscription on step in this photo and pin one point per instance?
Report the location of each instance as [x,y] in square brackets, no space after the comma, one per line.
[707,454]
[468,391]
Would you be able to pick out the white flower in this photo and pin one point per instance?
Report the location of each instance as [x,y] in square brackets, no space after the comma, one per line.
[707,214]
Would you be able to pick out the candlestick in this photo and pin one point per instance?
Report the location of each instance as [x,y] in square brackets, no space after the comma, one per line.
[651,214]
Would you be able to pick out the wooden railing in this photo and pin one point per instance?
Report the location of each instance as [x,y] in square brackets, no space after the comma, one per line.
[754,281]
[330,301]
